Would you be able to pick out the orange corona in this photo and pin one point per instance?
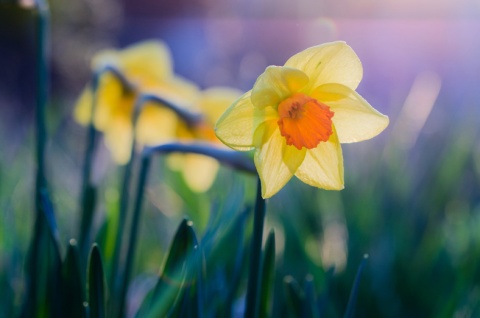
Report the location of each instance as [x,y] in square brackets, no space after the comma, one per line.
[304,121]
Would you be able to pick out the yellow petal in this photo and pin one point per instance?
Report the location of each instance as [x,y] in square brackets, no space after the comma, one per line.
[199,172]
[119,138]
[214,101]
[156,124]
[236,126]
[354,118]
[276,162]
[141,63]
[110,96]
[276,84]
[177,90]
[333,62]
[323,166]
[83,107]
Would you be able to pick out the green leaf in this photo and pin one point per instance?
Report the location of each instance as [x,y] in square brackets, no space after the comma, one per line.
[192,304]
[96,284]
[43,293]
[294,296]
[89,197]
[268,276]
[234,241]
[72,286]
[310,307]
[349,313]
[172,279]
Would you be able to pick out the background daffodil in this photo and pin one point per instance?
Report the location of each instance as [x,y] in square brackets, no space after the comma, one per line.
[296,116]
[199,171]
[146,68]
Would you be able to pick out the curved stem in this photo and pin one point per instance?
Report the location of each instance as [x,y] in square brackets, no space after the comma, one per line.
[234,159]
[251,306]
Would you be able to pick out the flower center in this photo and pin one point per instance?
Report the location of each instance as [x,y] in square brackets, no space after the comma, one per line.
[304,121]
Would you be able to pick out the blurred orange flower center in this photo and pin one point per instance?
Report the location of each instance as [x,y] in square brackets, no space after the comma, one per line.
[304,121]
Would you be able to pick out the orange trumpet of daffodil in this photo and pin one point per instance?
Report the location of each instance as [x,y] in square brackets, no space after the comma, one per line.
[297,115]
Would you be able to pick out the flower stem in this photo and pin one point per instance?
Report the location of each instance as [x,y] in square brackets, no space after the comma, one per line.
[251,307]
[42,93]
[34,295]
[87,197]
[142,180]
[122,216]
[87,203]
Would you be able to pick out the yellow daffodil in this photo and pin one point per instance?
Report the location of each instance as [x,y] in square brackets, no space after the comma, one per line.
[199,171]
[296,116]
[147,67]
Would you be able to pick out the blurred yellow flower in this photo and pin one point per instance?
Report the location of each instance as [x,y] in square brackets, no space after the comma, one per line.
[296,116]
[199,171]
[147,67]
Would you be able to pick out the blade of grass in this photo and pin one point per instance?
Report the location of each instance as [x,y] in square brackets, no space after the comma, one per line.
[352,300]
[72,286]
[43,292]
[53,259]
[236,235]
[96,284]
[310,306]
[294,296]
[174,276]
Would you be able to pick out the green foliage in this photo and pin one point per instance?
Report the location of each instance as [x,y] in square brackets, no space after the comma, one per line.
[96,284]
[73,290]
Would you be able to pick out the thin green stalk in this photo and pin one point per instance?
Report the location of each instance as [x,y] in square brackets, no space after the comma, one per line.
[251,306]
[234,159]
[142,180]
[88,197]
[352,300]
[42,18]
[122,216]
[41,24]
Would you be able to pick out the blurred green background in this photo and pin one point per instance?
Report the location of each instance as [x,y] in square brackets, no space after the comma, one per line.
[412,195]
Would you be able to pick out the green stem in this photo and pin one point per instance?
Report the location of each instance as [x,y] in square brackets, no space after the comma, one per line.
[251,307]
[87,196]
[41,24]
[42,93]
[87,206]
[142,180]
[234,159]
[352,300]
[122,216]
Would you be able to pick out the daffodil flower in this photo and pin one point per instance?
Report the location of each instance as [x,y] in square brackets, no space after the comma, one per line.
[147,67]
[199,171]
[297,115]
